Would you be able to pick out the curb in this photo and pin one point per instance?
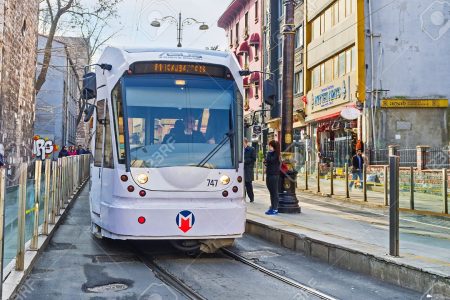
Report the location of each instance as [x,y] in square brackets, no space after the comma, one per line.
[381,268]
[14,280]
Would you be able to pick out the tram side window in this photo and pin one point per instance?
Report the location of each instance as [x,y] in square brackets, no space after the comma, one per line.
[99,134]
[108,158]
[118,118]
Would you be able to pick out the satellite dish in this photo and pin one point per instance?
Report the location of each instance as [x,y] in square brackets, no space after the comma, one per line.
[350,113]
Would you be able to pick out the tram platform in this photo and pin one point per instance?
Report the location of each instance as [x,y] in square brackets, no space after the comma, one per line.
[356,237]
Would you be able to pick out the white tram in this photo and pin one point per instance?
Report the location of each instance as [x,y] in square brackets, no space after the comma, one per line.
[167,145]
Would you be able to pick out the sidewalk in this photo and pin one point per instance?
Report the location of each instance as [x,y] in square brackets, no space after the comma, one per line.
[424,240]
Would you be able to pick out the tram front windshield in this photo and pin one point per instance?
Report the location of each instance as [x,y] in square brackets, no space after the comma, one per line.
[179,120]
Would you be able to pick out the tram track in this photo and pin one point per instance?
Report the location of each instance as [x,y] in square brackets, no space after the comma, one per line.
[166,277]
[289,281]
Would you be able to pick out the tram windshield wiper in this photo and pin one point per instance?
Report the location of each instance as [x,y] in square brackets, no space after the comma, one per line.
[216,149]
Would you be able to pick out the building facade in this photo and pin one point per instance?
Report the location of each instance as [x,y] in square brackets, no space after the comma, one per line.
[243,25]
[57,101]
[335,77]
[407,45]
[18,34]
[79,52]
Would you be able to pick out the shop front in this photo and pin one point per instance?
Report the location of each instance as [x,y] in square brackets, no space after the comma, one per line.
[334,132]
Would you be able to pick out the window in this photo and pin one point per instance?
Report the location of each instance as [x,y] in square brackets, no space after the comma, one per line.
[315,28]
[322,24]
[348,8]
[322,73]
[118,121]
[296,82]
[280,90]
[231,37]
[108,158]
[316,77]
[98,154]
[353,59]
[328,71]
[327,19]
[246,25]
[341,64]
[280,47]
[280,8]
[341,10]
[335,13]
[299,37]
[237,33]
[336,67]
[300,83]
[348,65]
[256,11]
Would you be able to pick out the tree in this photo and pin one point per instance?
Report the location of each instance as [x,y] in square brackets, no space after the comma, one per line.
[57,14]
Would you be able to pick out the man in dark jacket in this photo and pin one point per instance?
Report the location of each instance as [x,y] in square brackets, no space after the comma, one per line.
[357,168]
[249,164]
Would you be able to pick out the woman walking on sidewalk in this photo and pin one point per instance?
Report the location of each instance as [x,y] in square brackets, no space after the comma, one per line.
[272,175]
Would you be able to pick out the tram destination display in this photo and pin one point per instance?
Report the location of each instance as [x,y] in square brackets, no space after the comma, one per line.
[179,68]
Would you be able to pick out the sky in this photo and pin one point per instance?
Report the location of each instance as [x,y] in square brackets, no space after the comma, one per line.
[135,17]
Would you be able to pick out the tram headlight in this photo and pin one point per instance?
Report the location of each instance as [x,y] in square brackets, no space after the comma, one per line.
[225,180]
[142,178]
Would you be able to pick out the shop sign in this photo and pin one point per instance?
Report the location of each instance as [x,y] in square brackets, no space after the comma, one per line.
[328,96]
[414,103]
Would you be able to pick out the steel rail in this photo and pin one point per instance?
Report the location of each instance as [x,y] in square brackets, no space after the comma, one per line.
[282,278]
[168,278]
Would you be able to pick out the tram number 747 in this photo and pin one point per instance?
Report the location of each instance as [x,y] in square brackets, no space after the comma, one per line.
[212,182]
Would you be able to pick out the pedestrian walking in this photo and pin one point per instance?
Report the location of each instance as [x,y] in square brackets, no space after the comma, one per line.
[63,152]
[273,162]
[357,167]
[249,165]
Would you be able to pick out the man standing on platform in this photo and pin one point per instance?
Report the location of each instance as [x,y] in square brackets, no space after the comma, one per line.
[249,164]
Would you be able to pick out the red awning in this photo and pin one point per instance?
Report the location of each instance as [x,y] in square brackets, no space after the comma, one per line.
[330,116]
[254,77]
[243,48]
[246,82]
[254,39]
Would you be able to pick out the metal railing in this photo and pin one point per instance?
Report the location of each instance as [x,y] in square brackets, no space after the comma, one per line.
[50,189]
[421,190]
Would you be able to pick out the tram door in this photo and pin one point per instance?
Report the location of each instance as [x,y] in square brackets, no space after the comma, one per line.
[102,172]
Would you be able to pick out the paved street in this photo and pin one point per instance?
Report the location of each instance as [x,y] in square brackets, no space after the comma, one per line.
[77,266]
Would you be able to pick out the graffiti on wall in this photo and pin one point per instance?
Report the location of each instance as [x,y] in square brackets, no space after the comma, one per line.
[43,147]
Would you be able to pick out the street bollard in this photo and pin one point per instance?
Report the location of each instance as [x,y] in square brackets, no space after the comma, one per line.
[364,183]
[347,192]
[53,191]
[48,165]
[394,189]
[2,222]
[306,175]
[331,179]
[318,177]
[386,203]
[411,188]
[20,257]
[444,190]
[37,197]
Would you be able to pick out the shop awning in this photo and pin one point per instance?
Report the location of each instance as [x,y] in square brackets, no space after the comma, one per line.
[243,48]
[254,78]
[254,39]
[330,116]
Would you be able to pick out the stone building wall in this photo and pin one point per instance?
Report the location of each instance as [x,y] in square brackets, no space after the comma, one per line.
[18,39]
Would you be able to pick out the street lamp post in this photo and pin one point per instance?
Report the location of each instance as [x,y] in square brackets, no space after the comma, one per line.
[288,199]
[180,25]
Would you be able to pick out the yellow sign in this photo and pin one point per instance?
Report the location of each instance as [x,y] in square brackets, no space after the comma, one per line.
[414,103]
